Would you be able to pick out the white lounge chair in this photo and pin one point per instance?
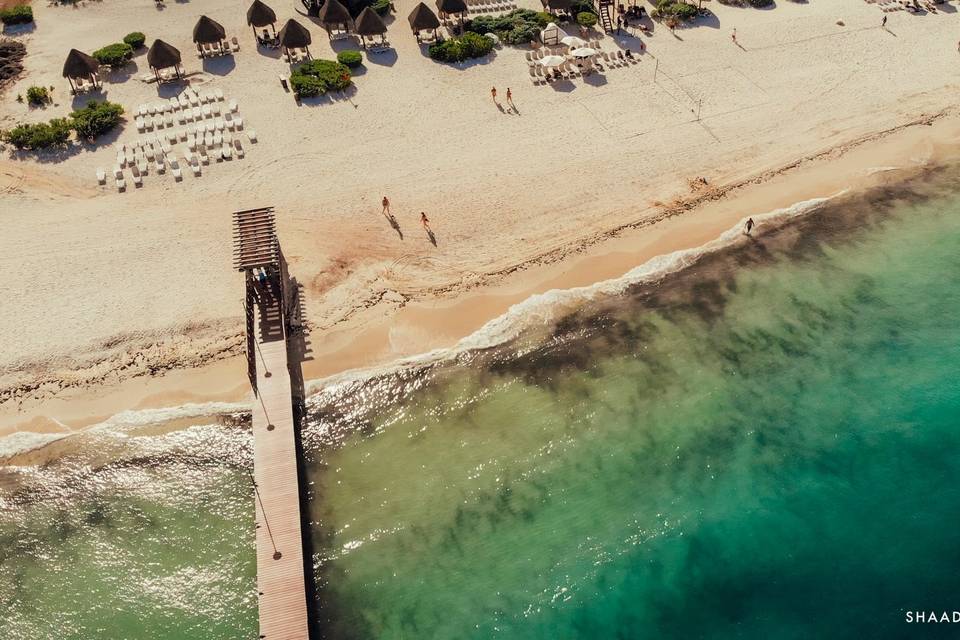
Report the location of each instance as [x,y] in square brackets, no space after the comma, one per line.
[194,98]
[101,175]
[226,151]
[197,114]
[120,158]
[238,147]
[238,123]
[175,168]
[165,146]
[140,124]
[202,152]
[227,137]
[169,119]
[160,165]
[219,94]
[191,142]
[234,107]
[217,139]
[215,107]
[236,45]
[229,122]
[137,180]
[218,123]
[207,111]
[208,139]
[252,136]
[172,136]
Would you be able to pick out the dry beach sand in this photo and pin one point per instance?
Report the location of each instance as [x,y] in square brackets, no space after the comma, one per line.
[123,300]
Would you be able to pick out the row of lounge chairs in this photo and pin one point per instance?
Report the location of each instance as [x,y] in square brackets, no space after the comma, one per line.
[223,49]
[183,116]
[489,6]
[580,67]
[225,147]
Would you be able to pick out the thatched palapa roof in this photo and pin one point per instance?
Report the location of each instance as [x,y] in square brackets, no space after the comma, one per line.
[332,13]
[452,6]
[260,15]
[162,55]
[79,65]
[294,35]
[369,23]
[423,18]
[208,31]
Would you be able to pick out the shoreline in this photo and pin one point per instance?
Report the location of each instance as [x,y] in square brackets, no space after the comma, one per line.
[383,335]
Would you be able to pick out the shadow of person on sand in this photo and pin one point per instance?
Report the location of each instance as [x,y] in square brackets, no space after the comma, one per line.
[394,223]
[433,238]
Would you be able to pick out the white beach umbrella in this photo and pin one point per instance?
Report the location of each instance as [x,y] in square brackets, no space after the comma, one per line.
[584,52]
[574,41]
[552,61]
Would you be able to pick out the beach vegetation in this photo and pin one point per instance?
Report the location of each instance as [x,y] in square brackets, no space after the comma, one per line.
[42,135]
[114,55]
[21,14]
[760,4]
[586,19]
[95,119]
[677,11]
[520,26]
[319,76]
[350,58]
[38,96]
[135,39]
[469,45]
[382,7]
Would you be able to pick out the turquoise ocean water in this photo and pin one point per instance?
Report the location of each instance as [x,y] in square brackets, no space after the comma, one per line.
[764,445]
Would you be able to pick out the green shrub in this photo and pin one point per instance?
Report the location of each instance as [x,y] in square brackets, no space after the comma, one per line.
[21,14]
[382,7]
[38,95]
[39,136]
[520,26]
[319,76]
[96,118]
[582,6]
[586,19]
[469,45]
[759,4]
[135,39]
[114,55]
[350,58]
[672,9]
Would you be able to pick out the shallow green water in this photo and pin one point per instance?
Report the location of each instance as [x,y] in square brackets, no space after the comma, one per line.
[764,446]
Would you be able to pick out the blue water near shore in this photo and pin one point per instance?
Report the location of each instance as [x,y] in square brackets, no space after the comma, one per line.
[761,446]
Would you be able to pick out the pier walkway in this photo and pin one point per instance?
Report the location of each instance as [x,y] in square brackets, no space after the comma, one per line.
[280,568]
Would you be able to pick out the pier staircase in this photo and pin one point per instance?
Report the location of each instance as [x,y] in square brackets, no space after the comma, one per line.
[605,10]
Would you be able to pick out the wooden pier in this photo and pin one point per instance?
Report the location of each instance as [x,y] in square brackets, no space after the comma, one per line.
[280,568]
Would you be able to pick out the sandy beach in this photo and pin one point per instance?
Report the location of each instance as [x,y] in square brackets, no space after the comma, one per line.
[127,300]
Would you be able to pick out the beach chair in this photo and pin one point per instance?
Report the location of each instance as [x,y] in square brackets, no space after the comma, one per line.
[181,117]
[208,139]
[234,107]
[183,100]
[160,165]
[227,137]
[207,111]
[239,148]
[175,169]
[235,43]
[215,107]
[137,180]
[252,136]
[533,76]
[168,119]
[172,136]
[197,114]
[141,126]
[194,100]
[191,142]
[120,157]
[217,139]
[118,178]
[238,123]
[219,94]
[101,175]
[158,121]
[165,146]
[148,151]
[229,122]
[202,152]
[227,152]
[218,123]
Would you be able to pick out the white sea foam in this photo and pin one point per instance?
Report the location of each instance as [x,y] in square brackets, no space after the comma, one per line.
[545,308]
[22,441]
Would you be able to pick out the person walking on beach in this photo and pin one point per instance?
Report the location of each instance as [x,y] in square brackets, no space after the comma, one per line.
[510,98]
[425,221]
[386,206]
[749,225]
[493,93]
[734,35]
[883,23]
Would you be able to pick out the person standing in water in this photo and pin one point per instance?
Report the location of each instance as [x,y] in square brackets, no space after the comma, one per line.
[749,225]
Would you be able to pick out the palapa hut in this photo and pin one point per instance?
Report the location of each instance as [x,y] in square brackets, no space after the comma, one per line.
[294,35]
[163,56]
[449,8]
[260,15]
[423,19]
[209,32]
[79,68]
[369,24]
[334,17]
